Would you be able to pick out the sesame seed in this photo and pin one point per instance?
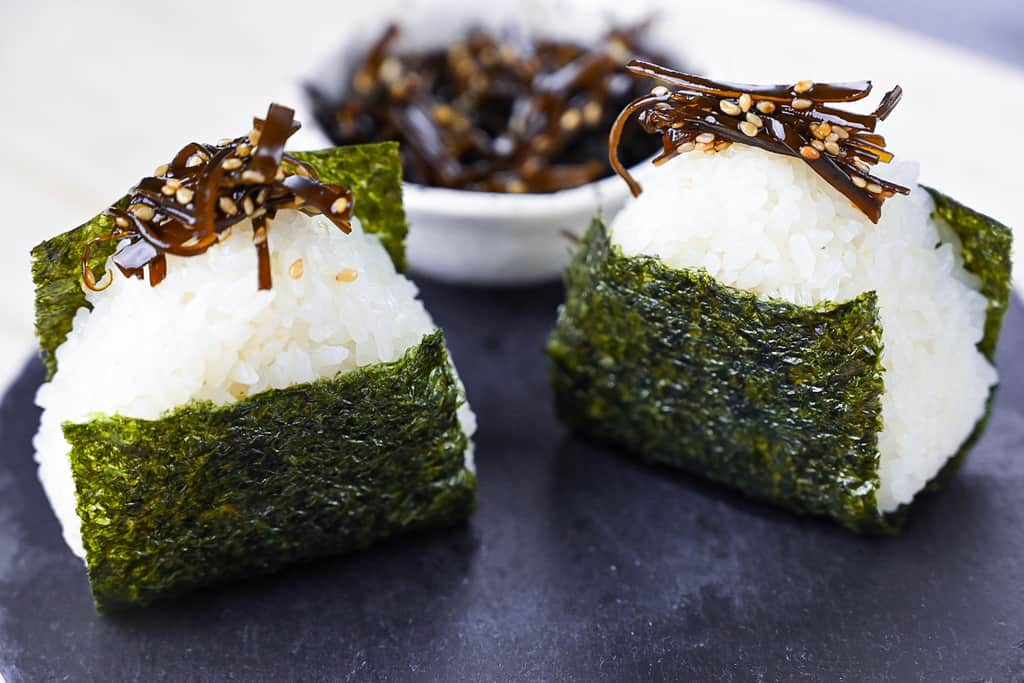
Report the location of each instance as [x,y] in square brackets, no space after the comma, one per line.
[832,147]
[184,195]
[730,107]
[862,165]
[142,211]
[443,114]
[254,137]
[161,170]
[874,188]
[303,171]
[800,103]
[231,164]
[722,145]
[749,129]
[194,161]
[809,153]
[841,132]
[227,205]
[685,147]
[858,181]
[703,146]
[390,70]
[659,91]
[248,206]
[339,206]
[243,150]
[765,107]
[347,275]
[173,183]
[746,102]
[570,119]
[705,138]
[803,86]
[592,112]
[121,222]
[363,82]
[755,119]
[822,131]
[261,198]
[832,137]
[818,145]
[296,269]
[167,189]
[251,176]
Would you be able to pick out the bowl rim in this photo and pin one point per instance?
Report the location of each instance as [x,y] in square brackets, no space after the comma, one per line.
[589,197]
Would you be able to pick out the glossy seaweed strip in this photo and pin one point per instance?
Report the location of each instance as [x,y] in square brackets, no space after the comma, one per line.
[778,400]
[372,171]
[208,493]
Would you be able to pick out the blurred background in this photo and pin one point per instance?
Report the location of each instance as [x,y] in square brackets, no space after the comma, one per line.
[95,96]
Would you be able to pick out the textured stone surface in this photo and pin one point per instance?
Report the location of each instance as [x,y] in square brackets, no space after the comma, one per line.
[580,564]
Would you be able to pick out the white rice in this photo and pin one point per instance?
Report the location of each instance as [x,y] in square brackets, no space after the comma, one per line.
[207,333]
[768,224]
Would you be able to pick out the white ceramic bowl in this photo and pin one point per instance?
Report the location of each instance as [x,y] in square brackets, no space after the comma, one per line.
[486,238]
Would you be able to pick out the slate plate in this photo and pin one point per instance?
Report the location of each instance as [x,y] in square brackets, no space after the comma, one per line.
[580,564]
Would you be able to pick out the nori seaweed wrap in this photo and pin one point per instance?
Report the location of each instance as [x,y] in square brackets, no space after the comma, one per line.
[232,484]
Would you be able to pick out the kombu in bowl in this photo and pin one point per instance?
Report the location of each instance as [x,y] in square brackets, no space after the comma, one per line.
[475,237]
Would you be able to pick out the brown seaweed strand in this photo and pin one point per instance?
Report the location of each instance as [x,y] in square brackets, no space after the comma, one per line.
[793,120]
[191,204]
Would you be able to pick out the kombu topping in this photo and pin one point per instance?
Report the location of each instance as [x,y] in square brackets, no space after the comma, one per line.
[192,203]
[697,114]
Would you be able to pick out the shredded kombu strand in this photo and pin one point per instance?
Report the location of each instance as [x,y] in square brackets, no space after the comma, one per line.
[494,112]
[191,204]
[698,114]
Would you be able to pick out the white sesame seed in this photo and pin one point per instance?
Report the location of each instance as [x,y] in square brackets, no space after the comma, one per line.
[748,129]
[121,222]
[832,147]
[184,195]
[765,107]
[818,145]
[161,170]
[347,275]
[746,102]
[142,211]
[755,119]
[803,86]
[227,205]
[339,206]
[809,153]
[722,145]
[251,176]
[193,161]
[841,132]
[800,103]
[705,138]
[231,164]
[858,181]
[659,91]
[874,188]
[730,107]
[167,189]
[296,269]
[248,206]
[254,137]
[243,150]
[570,119]
[685,147]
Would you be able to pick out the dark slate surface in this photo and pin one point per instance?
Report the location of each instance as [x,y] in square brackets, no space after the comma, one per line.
[579,565]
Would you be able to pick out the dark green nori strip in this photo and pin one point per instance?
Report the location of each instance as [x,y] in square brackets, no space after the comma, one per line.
[210,493]
[372,172]
[779,400]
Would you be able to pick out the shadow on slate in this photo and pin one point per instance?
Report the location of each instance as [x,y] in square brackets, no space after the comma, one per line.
[580,564]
